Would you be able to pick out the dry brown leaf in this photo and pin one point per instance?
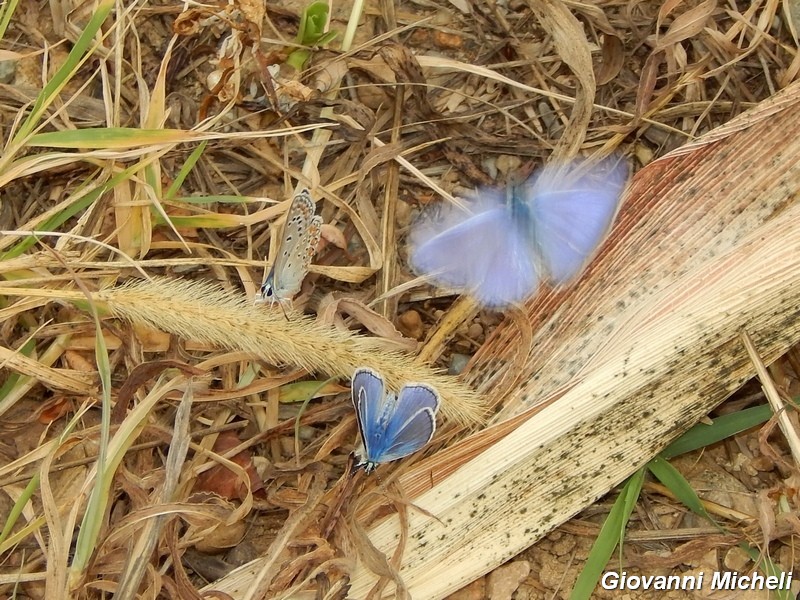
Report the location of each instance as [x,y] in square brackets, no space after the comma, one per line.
[572,46]
[377,324]
[613,59]
[685,25]
[333,235]
[664,302]
[223,482]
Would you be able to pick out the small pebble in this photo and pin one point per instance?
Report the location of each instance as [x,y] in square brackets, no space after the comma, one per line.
[504,581]
[8,70]
[475,331]
[410,324]
[458,363]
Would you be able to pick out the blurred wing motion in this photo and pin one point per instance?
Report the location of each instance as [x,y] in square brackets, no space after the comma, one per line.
[502,253]
[297,247]
[392,427]
[485,254]
[570,218]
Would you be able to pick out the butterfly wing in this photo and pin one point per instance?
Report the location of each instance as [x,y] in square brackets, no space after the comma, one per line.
[297,247]
[570,217]
[413,422]
[369,400]
[485,254]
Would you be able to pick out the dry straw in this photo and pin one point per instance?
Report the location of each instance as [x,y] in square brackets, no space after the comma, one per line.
[641,349]
[205,312]
[707,245]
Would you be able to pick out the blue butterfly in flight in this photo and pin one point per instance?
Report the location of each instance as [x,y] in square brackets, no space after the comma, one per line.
[546,230]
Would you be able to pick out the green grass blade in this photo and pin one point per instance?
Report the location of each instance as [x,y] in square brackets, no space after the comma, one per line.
[112,138]
[723,427]
[611,536]
[677,484]
[7,10]
[185,170]
[76,57]
[80,204]
[19,506]
[95,514]
[768,568]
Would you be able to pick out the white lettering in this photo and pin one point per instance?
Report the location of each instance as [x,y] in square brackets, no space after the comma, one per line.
[743,583]
[725,580]
[695,582]
[610,581]
[722,581]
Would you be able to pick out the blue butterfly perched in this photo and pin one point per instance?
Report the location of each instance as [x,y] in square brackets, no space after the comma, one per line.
[546,230]
[391,426]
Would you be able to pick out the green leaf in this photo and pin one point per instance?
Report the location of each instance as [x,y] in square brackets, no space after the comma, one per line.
[298,59]
[723,427]
[185,170]
[611,536]
[768,568]
[311,33]
[303,391]
[312,24]
[677,484]
[108,138]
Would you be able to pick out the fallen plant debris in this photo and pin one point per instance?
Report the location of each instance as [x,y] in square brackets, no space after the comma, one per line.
[163,437]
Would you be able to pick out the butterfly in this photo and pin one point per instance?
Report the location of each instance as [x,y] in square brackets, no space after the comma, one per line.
[295,251]
[391,426]
[547,230]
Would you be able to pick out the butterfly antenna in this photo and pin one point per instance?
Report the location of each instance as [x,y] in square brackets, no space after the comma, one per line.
[283,309]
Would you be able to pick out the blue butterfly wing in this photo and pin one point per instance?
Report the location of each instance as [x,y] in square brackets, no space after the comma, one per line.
[412,423]
[372,408]
[486,254]
[568,221]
